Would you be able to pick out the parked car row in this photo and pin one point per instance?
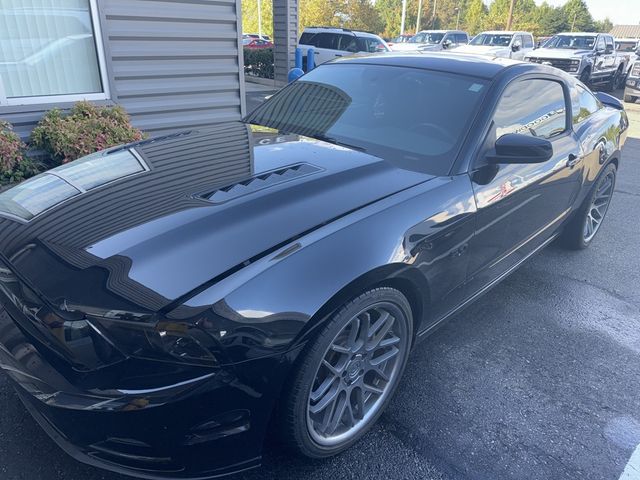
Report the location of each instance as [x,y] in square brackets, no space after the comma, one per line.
[594,58]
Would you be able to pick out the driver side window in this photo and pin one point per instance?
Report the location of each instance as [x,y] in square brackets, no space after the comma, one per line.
[517,113]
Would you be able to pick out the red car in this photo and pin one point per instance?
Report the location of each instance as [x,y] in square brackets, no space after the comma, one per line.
[256,43]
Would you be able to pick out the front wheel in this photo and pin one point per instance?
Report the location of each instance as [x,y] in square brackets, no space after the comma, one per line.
[585,76]
[348,374]
[613,82]
[583,227]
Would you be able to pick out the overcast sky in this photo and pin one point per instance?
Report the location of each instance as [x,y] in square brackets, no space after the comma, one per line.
[621,12]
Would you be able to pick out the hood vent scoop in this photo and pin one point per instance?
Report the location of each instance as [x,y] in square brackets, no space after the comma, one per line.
[260,182]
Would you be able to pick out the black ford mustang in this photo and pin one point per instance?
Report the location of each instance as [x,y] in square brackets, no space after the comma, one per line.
[161,303]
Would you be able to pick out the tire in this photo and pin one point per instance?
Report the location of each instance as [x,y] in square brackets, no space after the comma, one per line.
[585,76]
[577,234]
[612,83]
[309,421]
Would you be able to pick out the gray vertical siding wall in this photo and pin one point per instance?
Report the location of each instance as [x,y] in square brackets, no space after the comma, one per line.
[173,64]
[285,34]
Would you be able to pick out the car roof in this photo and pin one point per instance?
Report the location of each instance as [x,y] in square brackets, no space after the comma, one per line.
[506,32]
[340,30]
[481,66]
[441,31]
[582,34]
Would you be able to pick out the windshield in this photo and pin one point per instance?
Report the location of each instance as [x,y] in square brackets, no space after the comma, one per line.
[400,39]
[427,37]
[416,118]
[492,39]
[574,42]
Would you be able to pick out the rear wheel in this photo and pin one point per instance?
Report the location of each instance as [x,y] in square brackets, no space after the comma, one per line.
[348,374]
[586,223]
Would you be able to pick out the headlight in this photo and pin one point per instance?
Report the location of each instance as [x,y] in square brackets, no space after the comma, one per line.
[635,71]
[144,336]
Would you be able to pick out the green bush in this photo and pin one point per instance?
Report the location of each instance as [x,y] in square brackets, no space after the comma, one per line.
[85,129]
[14,163]
[11,147]
[258,62]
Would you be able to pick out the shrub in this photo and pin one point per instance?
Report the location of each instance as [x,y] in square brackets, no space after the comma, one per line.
[24,169]
[258,62]
[11,148]
[14,163]
[85,129]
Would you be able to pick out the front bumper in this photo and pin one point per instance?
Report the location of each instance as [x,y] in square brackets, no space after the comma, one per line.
[204,427]
[632,86]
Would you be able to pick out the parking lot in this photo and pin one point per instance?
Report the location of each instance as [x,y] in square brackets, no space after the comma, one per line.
[537,380]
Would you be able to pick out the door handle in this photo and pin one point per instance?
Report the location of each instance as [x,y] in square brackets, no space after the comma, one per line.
[573,160]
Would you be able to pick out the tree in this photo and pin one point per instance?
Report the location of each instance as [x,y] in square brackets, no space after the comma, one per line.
[250,16]
[361,15]
[603,26]
[524,15]
[447,13]
[319,13]
[550,20]
[578,17]
[475,16]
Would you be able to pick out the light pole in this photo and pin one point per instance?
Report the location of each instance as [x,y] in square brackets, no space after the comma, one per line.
[260,19]
[404,16]
[510,19]
[419,15]
[458,9]
[433,18]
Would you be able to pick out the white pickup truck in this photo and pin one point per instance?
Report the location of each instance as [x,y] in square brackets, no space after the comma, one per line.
[592,57]
[500,44]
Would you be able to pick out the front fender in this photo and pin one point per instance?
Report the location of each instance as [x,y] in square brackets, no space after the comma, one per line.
[271,305]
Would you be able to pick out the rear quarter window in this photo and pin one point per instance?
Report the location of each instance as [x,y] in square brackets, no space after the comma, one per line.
[528,41]
[583,104]
[518,113]
[308,39]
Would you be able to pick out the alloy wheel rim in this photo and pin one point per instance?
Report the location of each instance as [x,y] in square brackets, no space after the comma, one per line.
[598,208]
[357,374]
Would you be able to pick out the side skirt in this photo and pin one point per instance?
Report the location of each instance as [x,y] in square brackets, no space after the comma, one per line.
[434,326]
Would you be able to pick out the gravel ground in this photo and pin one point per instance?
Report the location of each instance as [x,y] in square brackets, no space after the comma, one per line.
[537,380]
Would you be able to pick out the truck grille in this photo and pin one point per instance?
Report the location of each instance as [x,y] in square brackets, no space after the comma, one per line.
[568,65]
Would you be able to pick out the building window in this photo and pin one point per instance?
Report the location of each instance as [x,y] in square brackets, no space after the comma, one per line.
[50,52]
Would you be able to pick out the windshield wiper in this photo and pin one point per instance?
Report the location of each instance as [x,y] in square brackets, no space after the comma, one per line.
[325,138]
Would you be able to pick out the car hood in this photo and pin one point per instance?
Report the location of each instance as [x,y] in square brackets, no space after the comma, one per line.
[560,53]
[484,50]
[209,202]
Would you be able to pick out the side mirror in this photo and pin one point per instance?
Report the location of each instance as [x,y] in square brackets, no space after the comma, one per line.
[515,47]
[517,148]
[609,100]
[446,43]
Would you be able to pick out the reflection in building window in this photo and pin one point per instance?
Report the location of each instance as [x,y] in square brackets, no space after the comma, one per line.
[49,189]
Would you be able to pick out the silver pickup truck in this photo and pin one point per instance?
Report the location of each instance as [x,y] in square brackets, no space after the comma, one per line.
[592,57]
